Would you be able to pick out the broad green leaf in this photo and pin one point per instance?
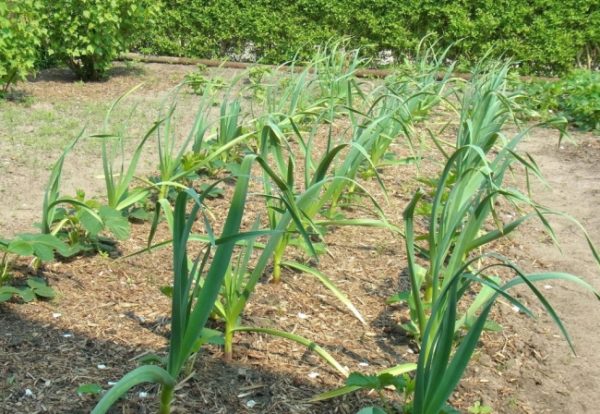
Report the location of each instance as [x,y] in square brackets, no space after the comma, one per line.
[4,295]
[89,389]
[371,410]
[115,222]
[140,214]
[26,294]
[20,247]
[167,291]
[36,283]
[45,292]
[90,222]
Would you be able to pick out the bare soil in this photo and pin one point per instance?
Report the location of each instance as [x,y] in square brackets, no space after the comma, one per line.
[109,312]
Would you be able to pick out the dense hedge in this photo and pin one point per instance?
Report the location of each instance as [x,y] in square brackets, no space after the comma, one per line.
[20,33]
[546,35]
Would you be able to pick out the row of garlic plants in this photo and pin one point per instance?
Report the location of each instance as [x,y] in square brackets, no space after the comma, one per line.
[455,275]
[293,125]
[296,113]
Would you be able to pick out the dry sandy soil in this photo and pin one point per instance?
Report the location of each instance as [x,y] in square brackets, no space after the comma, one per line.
[109,312]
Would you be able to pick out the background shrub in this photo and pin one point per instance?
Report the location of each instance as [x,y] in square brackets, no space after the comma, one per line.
[576,97]
[20,37]
[88,35]
[546,36]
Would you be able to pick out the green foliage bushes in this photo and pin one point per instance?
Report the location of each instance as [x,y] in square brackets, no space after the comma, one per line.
[276,29]
[20,34]
[575,96]
[88,35]
[546,36]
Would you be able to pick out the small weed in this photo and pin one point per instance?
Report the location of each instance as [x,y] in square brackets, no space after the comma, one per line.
[201,84]
[477,408]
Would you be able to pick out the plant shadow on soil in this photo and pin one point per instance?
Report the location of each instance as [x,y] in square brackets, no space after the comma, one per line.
[65,75]
[389,321]
[59,360]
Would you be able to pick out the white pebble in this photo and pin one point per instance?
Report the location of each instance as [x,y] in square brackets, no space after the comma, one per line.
[516,308]
[143,394]
[101,366]
[68,335]
[28,393]
[250,403]
[302,315]
[56,315]
[313,375]
[547,287]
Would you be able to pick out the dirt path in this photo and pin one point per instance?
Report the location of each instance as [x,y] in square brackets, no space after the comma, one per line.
[565,383]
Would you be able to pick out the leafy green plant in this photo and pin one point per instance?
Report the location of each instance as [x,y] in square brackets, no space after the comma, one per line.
[455,233]
[201,84]
[477,408]
[256,74]
[257,86]
[378,383]
[93,389]
[36,288]
[77,220]
[20,36]
[576,96]
[365,134]
[176,162]
[282,194]
[196,287]
[89,35]
[81,224]
[485,108]
[197,82]
[42,247]
[335,65]
[172,169]
[238,283]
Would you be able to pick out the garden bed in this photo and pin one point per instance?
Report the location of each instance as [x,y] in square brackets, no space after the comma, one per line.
[109,312]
